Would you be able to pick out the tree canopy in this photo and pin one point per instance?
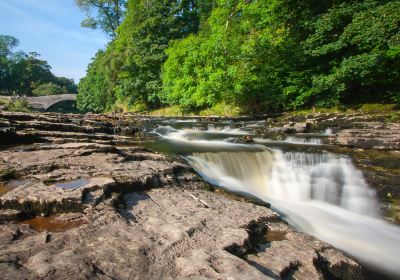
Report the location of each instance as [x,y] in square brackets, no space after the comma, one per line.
[261,55]
[22,73]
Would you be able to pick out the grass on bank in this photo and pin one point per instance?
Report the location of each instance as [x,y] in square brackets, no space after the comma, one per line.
[221,109]
[227,110]
[233,111]
[375,108]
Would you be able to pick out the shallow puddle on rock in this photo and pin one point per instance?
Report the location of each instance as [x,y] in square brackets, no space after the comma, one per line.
[72,185]
[275,236]
[52,224]
[5,188]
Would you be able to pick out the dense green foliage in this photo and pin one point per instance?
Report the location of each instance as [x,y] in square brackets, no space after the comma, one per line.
[351,55]
[49,89]
[128,72]
[94,90]
[22,73]
[261,55]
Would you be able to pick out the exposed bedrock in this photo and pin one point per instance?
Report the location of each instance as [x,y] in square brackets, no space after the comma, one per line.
[357,130]
[97,211]
[64,128]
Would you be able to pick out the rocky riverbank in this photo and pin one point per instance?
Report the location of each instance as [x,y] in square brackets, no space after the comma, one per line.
[81,198]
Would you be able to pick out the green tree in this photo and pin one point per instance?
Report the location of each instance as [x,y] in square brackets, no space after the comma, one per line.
[94,91]
[351,54]
[232,59]
[106,15]
[21,73]
[131,64]
[34,73]
[261,55]
[68,84]
[49,89]
[7,44]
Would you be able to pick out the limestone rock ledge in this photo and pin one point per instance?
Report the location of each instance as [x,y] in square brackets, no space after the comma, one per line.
[129,213]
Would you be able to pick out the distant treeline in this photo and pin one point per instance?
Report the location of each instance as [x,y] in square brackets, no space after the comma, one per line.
[261,55]
[26,74]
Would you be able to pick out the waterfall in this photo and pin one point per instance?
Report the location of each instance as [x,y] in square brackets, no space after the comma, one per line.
[328,131]
[245,172]
[293,139]
[317,192]
[321,194]
[299,176]
[293,176]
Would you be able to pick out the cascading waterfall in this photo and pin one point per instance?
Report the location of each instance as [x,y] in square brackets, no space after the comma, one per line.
[299,176]
[320,193]
[293,139]
[228,171]
[328,131]
[290,177]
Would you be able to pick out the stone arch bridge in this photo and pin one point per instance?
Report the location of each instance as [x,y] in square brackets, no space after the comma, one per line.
[45,102]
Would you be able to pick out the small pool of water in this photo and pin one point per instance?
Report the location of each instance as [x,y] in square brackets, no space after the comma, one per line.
[52,224]
[5,188]
[74,184]
[275,236]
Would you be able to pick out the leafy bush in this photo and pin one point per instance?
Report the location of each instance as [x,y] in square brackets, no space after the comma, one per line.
[20,105]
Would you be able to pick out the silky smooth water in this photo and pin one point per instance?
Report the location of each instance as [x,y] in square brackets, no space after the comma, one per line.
[318,192]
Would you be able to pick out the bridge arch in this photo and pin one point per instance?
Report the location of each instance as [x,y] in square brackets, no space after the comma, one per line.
[45,102]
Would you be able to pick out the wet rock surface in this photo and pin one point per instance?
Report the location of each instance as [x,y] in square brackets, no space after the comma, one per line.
[356,130]
[88,209]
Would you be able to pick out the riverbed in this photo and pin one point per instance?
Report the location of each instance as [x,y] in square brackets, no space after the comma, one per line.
[173,194]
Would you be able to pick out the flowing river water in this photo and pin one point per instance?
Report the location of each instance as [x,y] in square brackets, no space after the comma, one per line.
[316,191]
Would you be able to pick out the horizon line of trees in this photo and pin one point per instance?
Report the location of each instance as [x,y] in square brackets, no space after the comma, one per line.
[26,74]
[261,55]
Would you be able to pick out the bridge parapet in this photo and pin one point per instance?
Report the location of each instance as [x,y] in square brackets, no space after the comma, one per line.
[45,102]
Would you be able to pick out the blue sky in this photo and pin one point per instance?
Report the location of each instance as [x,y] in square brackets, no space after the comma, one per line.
[52,28]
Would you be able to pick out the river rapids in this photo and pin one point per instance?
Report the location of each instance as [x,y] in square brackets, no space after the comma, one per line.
[316,191]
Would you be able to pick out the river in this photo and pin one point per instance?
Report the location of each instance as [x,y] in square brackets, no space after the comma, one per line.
[317,191]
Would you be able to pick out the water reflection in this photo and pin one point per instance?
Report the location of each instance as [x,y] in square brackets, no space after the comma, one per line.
[74,184]
[6,187]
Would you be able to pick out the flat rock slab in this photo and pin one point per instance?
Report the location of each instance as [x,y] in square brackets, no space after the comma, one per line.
[382,137]
[129,213]
[166,234]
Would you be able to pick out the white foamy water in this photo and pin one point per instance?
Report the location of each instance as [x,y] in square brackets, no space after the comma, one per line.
[322,194]
[312,141]
[328,131]
[299,140]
